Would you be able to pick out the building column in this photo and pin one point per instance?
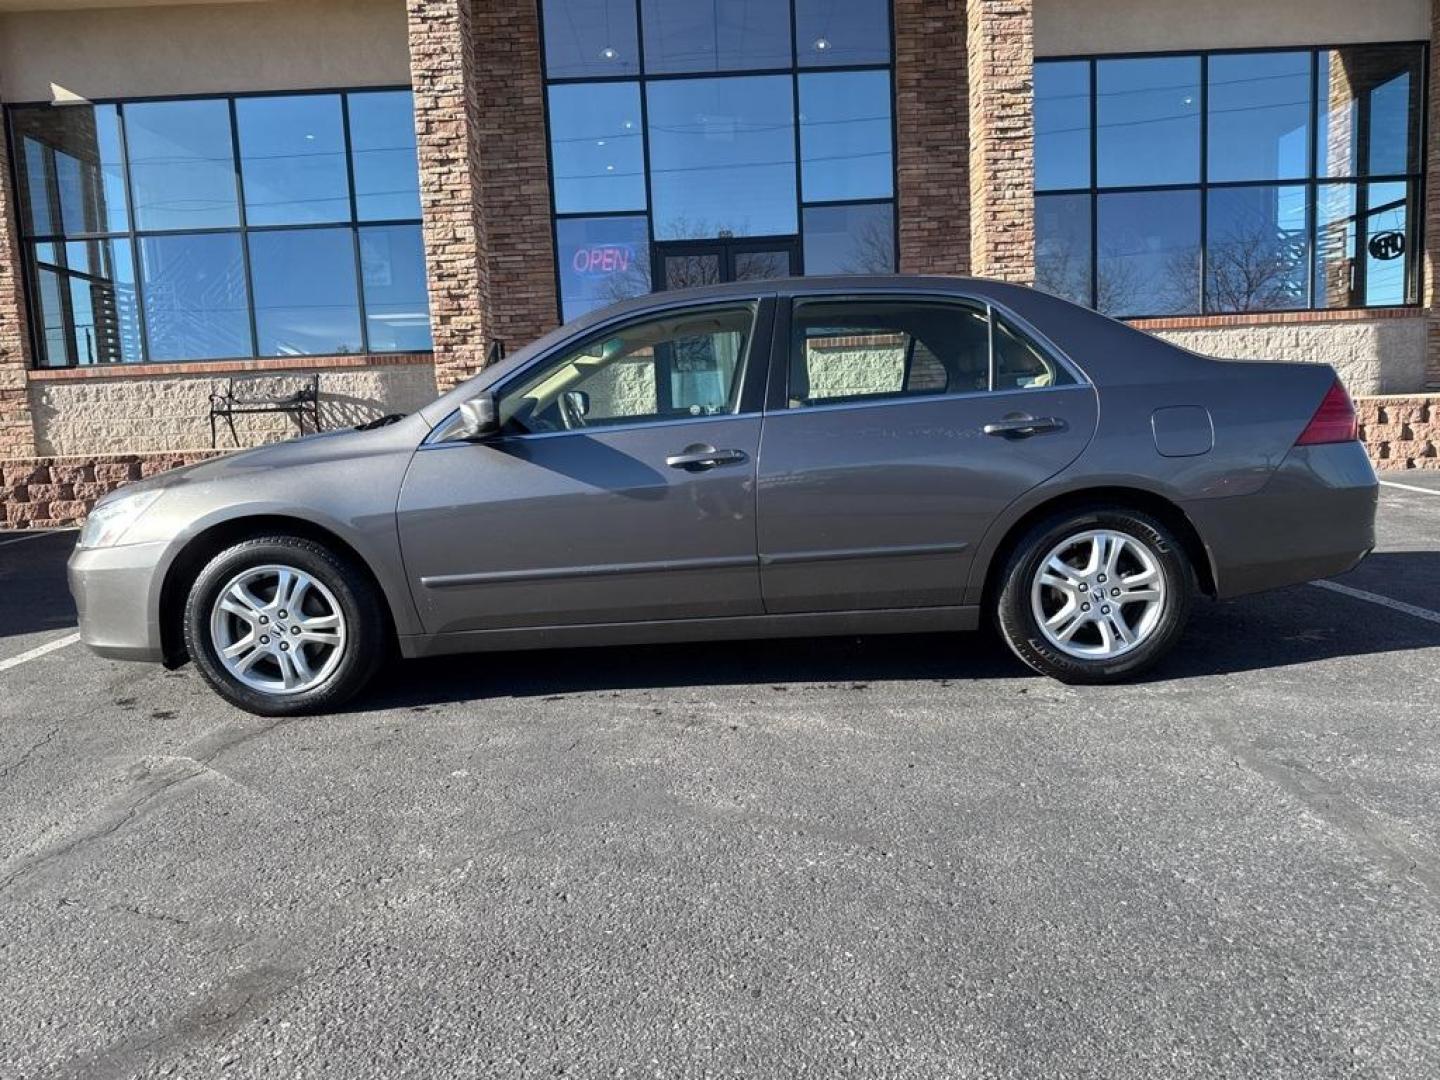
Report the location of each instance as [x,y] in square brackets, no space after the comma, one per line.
[447,143]
[932,125]
[1000,59]
[515,170]
[17,426]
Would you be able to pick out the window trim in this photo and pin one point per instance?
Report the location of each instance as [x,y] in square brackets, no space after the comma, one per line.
[1312,182]
[641,77]
[29,265]
[778,392]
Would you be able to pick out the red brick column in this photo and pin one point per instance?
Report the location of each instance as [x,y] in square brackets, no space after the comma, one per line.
[516,173]
[932,126]
[1430,267]
[1000,54]
[447,129]
[17,428]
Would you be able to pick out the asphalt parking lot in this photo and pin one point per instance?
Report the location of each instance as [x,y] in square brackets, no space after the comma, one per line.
[897,857]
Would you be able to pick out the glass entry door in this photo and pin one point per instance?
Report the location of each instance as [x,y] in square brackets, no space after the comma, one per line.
[684,264]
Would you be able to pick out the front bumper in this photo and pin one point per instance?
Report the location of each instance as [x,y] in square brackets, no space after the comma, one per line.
[117,591]
[1314,518]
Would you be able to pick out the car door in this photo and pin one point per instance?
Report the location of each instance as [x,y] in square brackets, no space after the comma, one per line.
[895,430]
[620,488]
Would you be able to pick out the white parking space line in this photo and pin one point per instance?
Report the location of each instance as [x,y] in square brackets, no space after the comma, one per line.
[1410,487]
[32,536]
[1383,601]
[39,651]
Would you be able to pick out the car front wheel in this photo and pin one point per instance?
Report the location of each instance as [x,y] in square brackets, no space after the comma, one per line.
[1095,596]
[280,625]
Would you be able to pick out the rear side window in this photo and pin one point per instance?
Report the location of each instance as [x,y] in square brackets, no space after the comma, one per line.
[870,350]
[854,350]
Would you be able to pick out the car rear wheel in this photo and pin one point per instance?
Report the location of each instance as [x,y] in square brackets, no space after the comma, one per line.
[280,625]
[1095,596]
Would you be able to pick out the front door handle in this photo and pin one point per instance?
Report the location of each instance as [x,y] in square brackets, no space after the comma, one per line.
[699,456]
[1022,427]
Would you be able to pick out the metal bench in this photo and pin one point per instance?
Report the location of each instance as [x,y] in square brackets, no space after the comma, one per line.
[240,397]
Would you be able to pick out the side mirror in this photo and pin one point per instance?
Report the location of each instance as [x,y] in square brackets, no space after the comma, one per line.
[479,417]
[578,402]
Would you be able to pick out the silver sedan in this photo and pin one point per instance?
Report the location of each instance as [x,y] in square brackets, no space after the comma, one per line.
[780,458]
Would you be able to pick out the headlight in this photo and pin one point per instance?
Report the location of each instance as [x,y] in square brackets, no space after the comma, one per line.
[109,522]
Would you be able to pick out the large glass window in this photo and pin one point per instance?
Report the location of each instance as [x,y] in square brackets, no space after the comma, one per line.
[221,227]
[1230,181]
[677,135]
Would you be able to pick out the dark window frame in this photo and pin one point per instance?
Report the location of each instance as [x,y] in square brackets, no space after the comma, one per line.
[29,243]
[1312,182]
[643,78]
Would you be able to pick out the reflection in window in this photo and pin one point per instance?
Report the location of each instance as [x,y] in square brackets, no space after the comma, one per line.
[722,156]
[292,159]
[196,302]
[305,297]
[1062,246]
[1062,125]
[71,175]
[1361,234]
[1148,120]
[596,148]
[182,165]
[718,35]
[850,239]
[1148,253]
[602,261]
[1369,110]
[1256,249]
[845,136]
[382,153]
[836,32]
[1020,364]
[590,37]
[392,274]
[1259,107]
[88,308]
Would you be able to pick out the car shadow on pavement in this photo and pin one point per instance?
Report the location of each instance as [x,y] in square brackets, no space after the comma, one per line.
[34,596]
[1292,626]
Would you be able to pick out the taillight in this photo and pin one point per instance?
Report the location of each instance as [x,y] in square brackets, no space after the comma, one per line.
[1334,421]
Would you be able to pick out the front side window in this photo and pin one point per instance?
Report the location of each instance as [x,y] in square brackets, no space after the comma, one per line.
[221,227]
[1274,180]
[682,364]
[720,141]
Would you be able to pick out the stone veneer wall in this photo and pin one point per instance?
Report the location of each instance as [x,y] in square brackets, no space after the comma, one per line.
[1378,355]
[1401,431]
[170,413]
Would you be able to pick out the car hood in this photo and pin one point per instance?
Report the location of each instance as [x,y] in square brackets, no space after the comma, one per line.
[306,450]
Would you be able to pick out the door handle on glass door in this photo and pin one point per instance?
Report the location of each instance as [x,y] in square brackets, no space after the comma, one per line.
[700,456]
[1022,427]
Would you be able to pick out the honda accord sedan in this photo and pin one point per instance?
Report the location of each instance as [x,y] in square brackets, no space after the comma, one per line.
[761,459]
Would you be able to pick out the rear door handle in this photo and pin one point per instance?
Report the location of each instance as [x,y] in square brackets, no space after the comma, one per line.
[700,456]
[1022,427]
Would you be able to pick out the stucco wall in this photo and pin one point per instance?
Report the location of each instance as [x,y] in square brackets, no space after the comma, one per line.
[171,413]
[144,51]
[1065,27]
[1380,356]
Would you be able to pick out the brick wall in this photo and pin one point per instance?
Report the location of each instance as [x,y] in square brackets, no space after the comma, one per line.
[1000,44]
[932,121]
[515,171]
[1430,269]
[17,433]
[1401,431]
[52,492]
[447,146]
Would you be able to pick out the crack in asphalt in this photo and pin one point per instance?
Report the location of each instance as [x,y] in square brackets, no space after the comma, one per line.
[151,784]
[6,771]
[1394,853]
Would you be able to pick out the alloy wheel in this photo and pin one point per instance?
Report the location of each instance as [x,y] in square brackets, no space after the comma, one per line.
[277,629]
[1098,594]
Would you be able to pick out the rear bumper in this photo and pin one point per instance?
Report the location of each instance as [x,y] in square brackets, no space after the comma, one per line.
[116,593]
[1314,518]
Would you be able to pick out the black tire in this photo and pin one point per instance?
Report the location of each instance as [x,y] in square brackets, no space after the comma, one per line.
[1021,629]
[366,625]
